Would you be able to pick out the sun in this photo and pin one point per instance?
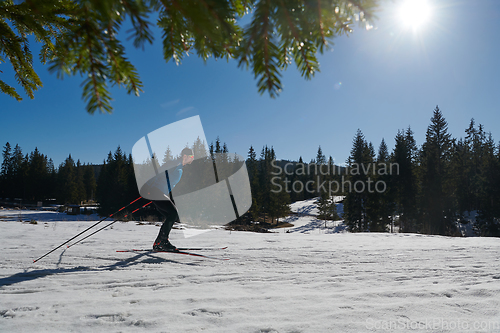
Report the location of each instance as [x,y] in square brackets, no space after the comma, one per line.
[414,13]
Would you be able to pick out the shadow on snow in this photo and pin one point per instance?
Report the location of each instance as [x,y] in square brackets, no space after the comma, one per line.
[147,258]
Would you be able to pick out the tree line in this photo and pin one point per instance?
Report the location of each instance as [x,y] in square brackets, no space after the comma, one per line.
[424,189]
[33,177]
[433,186]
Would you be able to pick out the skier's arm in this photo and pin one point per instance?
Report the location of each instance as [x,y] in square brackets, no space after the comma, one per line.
[160,183]
[174,176]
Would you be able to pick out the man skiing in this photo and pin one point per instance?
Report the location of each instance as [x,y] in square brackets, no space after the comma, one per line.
[159,187]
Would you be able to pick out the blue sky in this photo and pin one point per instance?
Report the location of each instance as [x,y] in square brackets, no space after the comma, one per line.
[379,81]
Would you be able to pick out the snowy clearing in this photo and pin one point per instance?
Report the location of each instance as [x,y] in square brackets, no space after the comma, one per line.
[279,282]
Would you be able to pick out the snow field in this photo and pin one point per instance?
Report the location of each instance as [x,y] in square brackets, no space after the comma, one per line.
[278,282]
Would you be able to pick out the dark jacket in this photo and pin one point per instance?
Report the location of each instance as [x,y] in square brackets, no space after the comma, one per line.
[164,182]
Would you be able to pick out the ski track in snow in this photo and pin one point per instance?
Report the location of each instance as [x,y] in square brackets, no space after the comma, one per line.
[279,282]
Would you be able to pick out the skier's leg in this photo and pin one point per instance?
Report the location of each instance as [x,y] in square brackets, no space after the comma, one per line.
[167,209]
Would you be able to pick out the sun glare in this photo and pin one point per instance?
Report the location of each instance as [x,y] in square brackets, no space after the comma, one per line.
[414,13]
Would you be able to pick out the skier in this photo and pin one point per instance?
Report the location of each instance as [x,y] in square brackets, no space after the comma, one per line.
[159,187]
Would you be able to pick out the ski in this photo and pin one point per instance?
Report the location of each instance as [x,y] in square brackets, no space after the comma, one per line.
[187,249]
[174,252]
[201,248]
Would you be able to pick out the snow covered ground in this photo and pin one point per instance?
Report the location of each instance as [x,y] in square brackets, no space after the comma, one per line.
[304,219]
[314,281]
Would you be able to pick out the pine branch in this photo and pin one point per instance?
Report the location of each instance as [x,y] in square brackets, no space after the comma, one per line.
[17,50]
[6,89]
[266,48]
[321,30]
[74,39]
[308,70]
[139,14]
[94,90]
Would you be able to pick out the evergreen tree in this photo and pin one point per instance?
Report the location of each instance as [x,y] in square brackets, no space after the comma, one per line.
[6,172]
[253,174]
[373,209]
[18,165]
[85,37]
[168,155]
[355,203]
[319,176]
[199,148]
[474,155]
[67,182]
[218,148]
[334,175]
[436,200]
[102,188]
[327,209]
[80,182]
[320,157]
[6,155]
[278,200]
[273,200]
[211,149]
[265,179]
[89,182]
[52,179]
[116,185]
[461,177]
[403,180]
[381,203]
[279,204]
[132,190]
[324,201]
[37,177]
[487,220]
[383,152]
[301,178]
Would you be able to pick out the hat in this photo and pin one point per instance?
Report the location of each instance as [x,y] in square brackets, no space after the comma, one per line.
[187,151]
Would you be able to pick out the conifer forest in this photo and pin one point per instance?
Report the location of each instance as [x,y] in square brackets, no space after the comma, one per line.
[425,188]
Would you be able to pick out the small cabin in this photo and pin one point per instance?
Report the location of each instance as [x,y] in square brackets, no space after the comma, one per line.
[73,210]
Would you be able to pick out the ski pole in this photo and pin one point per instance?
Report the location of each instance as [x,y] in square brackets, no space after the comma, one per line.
[95,232]
[69,240]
